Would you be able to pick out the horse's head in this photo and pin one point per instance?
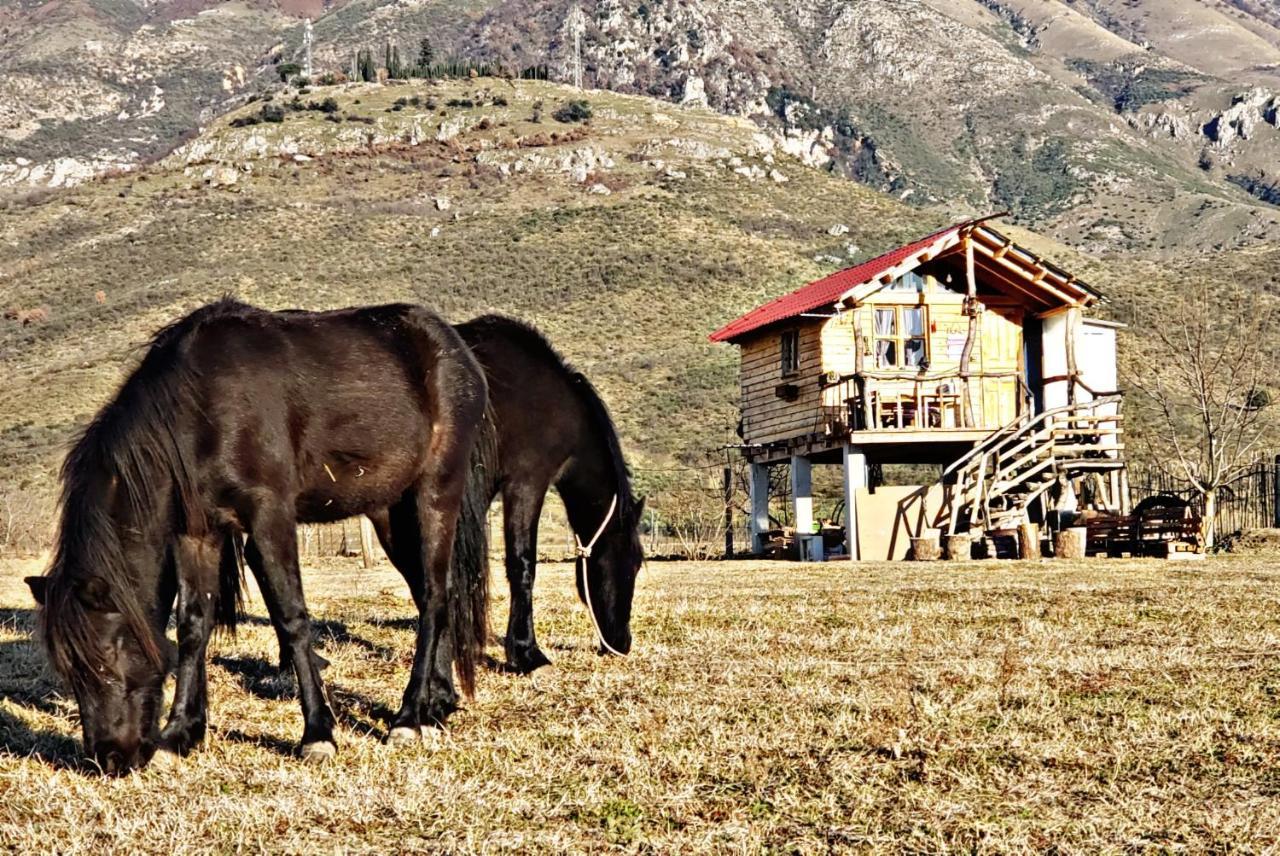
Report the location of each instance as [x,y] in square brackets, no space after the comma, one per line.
[612,568]
[112,664]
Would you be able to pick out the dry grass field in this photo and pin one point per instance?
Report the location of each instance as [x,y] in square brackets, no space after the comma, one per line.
[1075,708]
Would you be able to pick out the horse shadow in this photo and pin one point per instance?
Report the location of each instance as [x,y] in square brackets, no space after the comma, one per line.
[328,631]
[27,693]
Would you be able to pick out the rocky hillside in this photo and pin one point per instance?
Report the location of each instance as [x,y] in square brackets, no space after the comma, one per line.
[627,238]
[1146,126]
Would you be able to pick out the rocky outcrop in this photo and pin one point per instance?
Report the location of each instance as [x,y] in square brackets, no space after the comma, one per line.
[1241,120]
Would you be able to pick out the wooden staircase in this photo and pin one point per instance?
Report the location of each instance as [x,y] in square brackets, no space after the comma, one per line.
[995,483]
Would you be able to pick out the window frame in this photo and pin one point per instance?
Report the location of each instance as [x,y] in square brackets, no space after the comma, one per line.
[789,347]
[899,338]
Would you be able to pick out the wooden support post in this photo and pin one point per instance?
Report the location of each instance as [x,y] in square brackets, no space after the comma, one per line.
[367,539]
[802,494]
[966,354]
[728,512]
[759,475]
[1275,487]
[855,477]
[1073,319]
[860,380]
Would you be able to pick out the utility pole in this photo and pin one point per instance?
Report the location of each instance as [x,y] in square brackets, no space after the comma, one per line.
[576,22]
[306,47]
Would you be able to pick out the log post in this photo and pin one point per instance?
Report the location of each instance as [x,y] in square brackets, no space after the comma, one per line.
[971,308]
[367,538]
[1070,543]
[1073,315]
[959,547]
[927,547]
[1028,541]
[728,512]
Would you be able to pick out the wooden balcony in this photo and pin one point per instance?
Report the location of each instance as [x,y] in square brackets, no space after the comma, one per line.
[919,404]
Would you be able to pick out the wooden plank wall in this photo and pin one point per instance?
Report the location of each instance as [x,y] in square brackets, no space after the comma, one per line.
[829,346]
[766,417]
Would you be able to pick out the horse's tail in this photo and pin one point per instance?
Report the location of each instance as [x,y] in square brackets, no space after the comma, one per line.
[468,583]
[230,582]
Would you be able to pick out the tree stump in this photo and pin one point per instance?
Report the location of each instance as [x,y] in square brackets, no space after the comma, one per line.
[1028,541]
[1070,543]
[928,547]
[959,548]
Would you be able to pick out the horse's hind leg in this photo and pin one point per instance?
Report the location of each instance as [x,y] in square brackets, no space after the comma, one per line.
[521,510]
[275,544]
[430,696]
[197,569]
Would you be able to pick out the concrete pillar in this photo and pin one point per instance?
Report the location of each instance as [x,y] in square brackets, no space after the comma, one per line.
[802,493]
[855,476]
[759,475]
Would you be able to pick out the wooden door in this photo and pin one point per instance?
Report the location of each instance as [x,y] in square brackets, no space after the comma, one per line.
[1000,354]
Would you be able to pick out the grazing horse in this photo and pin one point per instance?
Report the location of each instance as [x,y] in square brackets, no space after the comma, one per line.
[549,427]
[240,420]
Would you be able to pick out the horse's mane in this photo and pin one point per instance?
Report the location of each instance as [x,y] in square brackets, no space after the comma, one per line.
[128,449]
[531,339]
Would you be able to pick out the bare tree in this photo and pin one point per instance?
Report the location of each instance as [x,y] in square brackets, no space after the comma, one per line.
[1203,377]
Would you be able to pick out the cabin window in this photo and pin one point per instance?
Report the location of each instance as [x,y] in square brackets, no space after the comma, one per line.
[791,352]
[910,281]
[900,340]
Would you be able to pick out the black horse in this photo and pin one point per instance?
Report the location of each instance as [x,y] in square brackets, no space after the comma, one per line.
[241,420]
[552,428]
[549,427]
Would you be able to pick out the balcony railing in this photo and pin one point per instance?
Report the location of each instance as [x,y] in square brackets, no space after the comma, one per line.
[909,402]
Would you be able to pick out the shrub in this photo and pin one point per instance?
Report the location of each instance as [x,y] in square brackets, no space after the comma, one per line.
[287,70]
[272,113]
[578,110]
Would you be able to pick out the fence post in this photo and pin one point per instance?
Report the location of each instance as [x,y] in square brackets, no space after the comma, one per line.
[1275,492]
[728,513]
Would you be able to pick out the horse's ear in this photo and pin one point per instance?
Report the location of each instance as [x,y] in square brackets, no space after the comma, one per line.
[38,587]
[170,651]
[638,513]
[94,593]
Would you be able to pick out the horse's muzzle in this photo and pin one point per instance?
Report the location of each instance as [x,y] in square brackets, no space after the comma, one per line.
[117,759]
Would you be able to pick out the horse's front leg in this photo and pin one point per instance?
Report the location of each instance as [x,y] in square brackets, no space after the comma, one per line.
[521,511]
[197,561]
[274,549]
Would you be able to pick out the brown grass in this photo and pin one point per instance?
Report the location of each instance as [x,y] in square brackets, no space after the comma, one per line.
[1085,707]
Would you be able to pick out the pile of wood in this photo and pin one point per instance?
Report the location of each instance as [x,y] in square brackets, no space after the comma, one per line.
[1169,531]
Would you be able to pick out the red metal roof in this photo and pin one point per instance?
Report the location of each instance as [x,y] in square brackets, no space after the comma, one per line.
[827,290]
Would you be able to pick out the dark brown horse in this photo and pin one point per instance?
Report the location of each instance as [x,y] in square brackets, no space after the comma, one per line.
[240,420]
[552,429]
[549,428]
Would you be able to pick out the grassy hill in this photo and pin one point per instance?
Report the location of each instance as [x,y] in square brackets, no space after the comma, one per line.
[627,238]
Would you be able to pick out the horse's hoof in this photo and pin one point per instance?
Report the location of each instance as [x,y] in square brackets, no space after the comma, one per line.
[318,752]
[403,735]
[527,661]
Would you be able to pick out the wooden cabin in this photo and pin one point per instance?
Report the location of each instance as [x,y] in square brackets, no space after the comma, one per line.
[957,349]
